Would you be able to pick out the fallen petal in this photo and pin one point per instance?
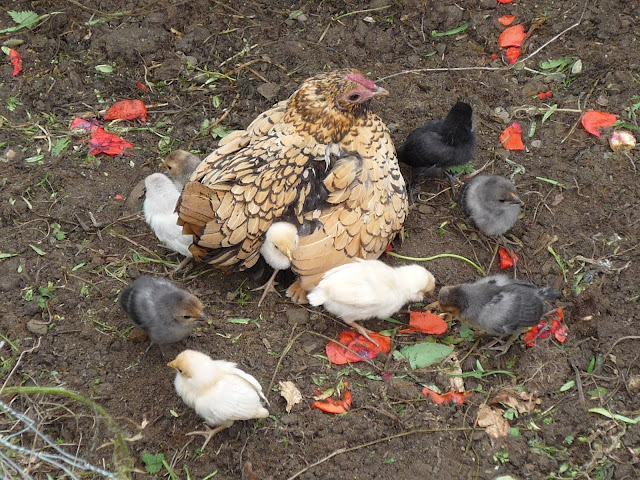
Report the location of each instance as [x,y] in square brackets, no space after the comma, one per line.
[594,119]
[511,137]
[513,53]
[127,110]
[334,405]
[507,258]
[102,141]
[543,95]
[426,322]
[506,19]
[512,36]
[16,61]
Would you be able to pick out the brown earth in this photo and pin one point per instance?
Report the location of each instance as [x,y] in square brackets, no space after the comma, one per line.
[77,244]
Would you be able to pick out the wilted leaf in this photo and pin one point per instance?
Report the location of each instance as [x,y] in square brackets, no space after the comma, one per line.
[615,416]
[456,381]
[510,400]
[290,393]
[594,119]
[495,425]
[425,353]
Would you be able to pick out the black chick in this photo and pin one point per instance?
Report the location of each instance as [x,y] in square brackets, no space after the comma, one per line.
[166,312]
[441,144]
[492,203]
[497,304]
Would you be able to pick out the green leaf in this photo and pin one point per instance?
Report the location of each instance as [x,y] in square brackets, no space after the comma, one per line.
[568,386]
[549,112]
[426,353]
[24,19]
[8,255]
[153,463]
[559,65]
[393,320]
[37,250]
[615,416]
[597,392]
[461,28]
[592,365]
[103,68]
[242,321]
[60,146]
[78,267]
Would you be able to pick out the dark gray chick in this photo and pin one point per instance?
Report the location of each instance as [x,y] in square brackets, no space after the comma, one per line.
[492,203]
[166,312]
[180,165]
[441,144]
[497,304]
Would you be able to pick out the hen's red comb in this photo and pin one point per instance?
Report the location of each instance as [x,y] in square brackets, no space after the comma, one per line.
[359,78]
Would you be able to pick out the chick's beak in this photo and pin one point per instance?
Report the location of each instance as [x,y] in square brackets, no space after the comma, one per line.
[288,253]
[171,364]
[515,199]
[202,317]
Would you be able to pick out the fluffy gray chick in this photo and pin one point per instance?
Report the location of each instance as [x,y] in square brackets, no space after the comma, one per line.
[166,312]
[492,203]
[498,304]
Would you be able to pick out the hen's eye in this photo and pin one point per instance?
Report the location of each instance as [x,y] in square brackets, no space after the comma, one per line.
[353,97]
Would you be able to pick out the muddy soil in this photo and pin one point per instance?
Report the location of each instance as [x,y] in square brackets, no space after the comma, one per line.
[72,237]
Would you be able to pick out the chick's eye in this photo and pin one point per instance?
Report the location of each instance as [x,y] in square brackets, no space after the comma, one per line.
[353,97]
[186,317]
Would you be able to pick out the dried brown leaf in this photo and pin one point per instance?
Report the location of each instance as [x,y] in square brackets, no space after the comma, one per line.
[290,393]
[495,425]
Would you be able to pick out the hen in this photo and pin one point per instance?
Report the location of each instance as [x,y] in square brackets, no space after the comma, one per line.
[167,313]
[320,160]
[441,144]
[492,203]
[180,164]
[370,289]
[498,305]
[217,390]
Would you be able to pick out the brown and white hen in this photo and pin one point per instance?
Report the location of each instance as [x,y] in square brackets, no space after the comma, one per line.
[320,160]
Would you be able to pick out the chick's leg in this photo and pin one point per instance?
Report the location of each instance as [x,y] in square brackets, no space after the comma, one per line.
[210,432]
[268,287]
[364,332]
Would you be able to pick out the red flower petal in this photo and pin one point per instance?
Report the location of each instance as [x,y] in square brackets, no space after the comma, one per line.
[505,1]
[127,110]
[543,95]
[455,397]
[334,405]
[507,258]
[425,322]
[594,119]
[511,138]
[339,355]
[507,19]
[551,324]
[512,36]
[102,141]
[16,61]
[142,87]
[513,53]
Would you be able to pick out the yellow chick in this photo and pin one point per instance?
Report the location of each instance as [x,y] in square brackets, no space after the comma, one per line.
[217,390]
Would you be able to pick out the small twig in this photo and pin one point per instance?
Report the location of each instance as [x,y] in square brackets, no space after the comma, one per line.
[435,257]
[18,362]
[628,337]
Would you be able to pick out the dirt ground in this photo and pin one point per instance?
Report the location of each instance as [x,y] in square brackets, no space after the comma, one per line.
[72,237]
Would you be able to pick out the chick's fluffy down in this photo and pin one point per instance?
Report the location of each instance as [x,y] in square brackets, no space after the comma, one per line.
[217,390]
[370,289]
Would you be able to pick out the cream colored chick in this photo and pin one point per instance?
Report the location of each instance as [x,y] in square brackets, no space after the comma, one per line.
[159,205]
[370,289]
[180,164]
[217,390]
[277,249]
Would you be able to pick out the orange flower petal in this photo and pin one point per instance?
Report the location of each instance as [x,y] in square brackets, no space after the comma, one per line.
[339,355]
[543,95]
[512,36]
[334,405]
[507,19]
[594,119]
[455,397]
[507,258]
[127,110]
[513,53]
[511,138]
[426,322]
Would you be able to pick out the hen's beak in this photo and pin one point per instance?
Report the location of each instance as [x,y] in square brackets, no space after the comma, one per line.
[380,92]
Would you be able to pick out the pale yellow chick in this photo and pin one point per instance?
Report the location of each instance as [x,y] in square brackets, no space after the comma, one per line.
[280,242]
[217,390]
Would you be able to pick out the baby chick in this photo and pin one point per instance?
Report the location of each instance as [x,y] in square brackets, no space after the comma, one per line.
[277,249]
[159,205]
[167,313]
[497,304]
[370,289]
[180,165]
[219,392]
[441,144]
[492,204]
